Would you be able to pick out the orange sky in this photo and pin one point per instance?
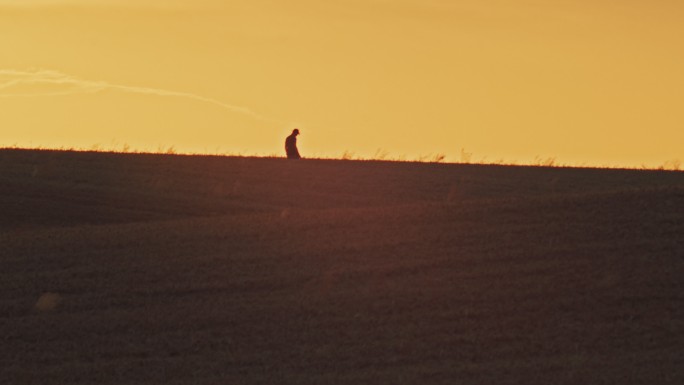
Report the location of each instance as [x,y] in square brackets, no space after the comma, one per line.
[593,82]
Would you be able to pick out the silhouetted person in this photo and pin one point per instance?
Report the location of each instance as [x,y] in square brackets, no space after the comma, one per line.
[291,145]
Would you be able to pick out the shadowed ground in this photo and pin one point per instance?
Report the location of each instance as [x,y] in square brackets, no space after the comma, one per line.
[157,269]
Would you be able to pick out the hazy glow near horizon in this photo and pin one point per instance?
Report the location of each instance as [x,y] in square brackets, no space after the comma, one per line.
[593,82]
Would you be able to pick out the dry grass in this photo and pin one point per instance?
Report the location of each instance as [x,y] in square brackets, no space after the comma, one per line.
[380,154]
[157,269]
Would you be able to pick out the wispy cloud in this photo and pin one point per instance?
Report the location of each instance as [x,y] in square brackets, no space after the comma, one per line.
[159,4]
[44,83]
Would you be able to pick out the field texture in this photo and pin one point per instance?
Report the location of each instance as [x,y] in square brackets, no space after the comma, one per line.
[161,269]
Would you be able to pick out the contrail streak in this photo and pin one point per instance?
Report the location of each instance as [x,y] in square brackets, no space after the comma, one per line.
[11,79]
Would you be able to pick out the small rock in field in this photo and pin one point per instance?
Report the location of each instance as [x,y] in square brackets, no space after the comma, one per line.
[48,302]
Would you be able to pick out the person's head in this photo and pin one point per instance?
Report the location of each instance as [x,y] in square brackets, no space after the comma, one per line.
[295,131]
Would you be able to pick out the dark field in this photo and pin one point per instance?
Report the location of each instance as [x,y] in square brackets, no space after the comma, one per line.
[157,269]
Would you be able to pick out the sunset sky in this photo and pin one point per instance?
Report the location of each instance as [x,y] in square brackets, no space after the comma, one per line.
[587,82]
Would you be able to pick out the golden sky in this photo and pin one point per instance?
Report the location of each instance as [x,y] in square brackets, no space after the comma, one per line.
[588,82]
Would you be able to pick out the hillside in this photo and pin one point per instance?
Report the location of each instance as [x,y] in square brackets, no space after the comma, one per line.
[163,269]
